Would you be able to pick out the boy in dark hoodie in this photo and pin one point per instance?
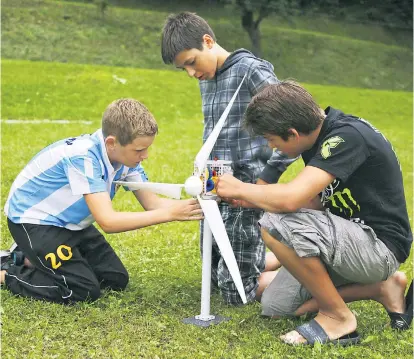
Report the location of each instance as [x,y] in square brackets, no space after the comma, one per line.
[189,43]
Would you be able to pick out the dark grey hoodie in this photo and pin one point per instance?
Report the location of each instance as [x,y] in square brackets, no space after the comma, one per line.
[249,154]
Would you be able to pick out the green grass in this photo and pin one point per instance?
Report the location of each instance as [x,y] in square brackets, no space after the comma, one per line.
[163,261]
[310,49]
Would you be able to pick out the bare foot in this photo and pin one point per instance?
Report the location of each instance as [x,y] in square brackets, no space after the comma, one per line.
[391,293]
[335,327]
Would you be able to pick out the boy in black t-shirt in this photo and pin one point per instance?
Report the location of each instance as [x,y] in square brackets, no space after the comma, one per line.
[342,222]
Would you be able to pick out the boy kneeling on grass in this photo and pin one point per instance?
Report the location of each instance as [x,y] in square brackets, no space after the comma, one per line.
[65,188]
[342,222]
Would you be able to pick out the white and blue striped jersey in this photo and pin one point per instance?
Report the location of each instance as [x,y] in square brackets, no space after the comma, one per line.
[50,189]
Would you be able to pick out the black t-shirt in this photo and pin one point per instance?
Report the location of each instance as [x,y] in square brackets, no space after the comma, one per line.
[368,185]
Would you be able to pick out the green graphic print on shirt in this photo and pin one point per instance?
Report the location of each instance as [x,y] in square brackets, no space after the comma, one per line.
[368,185]
[341,199]
[328,144]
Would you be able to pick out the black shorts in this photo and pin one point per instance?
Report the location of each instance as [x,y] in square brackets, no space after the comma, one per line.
[66,266]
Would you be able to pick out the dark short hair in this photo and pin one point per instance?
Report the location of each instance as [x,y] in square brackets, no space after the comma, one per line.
[280,107]
[183,31]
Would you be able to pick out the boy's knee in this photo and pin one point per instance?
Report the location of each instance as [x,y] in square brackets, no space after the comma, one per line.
[272,306]
[122,281]
[117,282]
[231,295]
[92,293]
[231,298]
[283,296]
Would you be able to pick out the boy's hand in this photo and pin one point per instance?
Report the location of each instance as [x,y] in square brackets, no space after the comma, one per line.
[229,187]
[186,210]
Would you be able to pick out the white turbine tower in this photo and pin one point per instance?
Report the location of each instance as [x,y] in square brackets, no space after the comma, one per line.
[197,186]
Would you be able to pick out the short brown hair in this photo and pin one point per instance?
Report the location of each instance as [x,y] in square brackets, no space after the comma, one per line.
[127,119]
[183,31]
[280,107]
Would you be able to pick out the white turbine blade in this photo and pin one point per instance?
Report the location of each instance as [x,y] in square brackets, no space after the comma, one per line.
[205,151]
[165,189]
[213,217]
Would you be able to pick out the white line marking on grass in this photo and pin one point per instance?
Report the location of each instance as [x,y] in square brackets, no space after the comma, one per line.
[16,122]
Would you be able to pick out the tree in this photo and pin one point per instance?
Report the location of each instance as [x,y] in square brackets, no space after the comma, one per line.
[391,13]
[254,11]
[102,6]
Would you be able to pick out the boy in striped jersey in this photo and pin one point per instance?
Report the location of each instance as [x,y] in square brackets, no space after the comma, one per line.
[67,186]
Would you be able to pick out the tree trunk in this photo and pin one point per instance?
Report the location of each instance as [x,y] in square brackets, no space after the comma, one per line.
[252,28]
[254,34]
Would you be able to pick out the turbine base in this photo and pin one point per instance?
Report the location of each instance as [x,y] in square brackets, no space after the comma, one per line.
[216,319]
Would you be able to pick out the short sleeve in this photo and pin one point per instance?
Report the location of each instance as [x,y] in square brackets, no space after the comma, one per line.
[341,152]
[84,175]
[136,174]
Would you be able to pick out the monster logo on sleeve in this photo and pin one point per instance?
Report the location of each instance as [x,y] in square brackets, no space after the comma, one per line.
[328,144]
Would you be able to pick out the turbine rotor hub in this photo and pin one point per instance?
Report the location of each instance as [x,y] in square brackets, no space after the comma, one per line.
[193,186]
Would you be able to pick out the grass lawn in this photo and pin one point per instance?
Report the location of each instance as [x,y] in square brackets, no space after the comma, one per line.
[163,261]
[311,49]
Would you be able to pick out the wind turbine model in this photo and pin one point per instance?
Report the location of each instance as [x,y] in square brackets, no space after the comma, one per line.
[202,185]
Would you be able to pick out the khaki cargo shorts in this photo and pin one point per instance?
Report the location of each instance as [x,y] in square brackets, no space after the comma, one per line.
[351,252]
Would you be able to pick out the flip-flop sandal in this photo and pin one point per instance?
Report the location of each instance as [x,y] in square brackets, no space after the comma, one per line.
[402,321]
[313,332]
